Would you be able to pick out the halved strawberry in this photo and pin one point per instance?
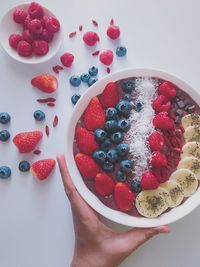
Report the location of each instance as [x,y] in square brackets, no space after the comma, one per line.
[104,184]
[124,197]
[94,115]
[41,169]
[149,181]
[110,95]
[45,82]
[27,141]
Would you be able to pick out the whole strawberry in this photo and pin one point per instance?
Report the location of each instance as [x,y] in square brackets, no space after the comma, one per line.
[104,184]
[45,82]
[41,169]
[158,160]
[110,95]
[167,89]
[149,181]
[156,141]
[163,121]
[161,103]
[124,197]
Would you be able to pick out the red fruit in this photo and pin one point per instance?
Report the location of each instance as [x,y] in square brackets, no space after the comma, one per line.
[110,95]
[162,175]
[19,15]
[87,166]
[104,184]
[94,115]
[156,141]
[46,35]
[41,169]
[53,24]
[24,49]
[163,121]
[113,32]
[106,57]
[14,39]
[85,141]
[161,103]
[91,38]
[124,197]
[149,181]
[35,11]
[40,47]
[67,59]
[167,89]
[26,22]
[27,141]
[28,37]
[35,26]
[158,160]
[45,82]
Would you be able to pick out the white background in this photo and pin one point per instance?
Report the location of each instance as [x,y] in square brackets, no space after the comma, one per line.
[35,222]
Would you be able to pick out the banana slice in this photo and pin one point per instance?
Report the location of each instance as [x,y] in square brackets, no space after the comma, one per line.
[187,180]
[190,120]
[175,192]
[192,133]
[191,149]
[151,203]
[191,163]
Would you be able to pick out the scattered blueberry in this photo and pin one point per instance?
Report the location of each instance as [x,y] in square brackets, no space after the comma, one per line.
[111,114]
[39,115]
[24,166]
[92,80]
[122,150]
[85,77]
[126,165]
[5,172]
[75,80]
[4,135]
[121,51]
[99,156]
[112,155]
[93,71]
[124,125]
[4,117]
[136,186]
[124,107]
[117,137]
[75,98]
[100,135]
[138,106]
[121,176]
[108,166]
[127,97]
[111,126]
[128,86]
[106,145]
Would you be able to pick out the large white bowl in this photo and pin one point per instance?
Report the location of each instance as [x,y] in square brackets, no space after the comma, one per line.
[8,26]
[117,216]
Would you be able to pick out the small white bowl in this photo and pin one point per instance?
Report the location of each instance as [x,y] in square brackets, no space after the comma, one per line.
[114,215]
[8,26]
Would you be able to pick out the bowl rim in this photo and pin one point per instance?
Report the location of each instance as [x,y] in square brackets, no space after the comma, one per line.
[117,216]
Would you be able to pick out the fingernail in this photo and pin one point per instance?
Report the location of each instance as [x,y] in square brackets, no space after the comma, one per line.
[163,229]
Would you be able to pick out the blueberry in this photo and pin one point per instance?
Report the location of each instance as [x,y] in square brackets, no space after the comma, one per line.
[122,150]
[121,51]
[99,156]
[111,126]
[128,86]
[93,71]
[24,166]
[85,77]
[75,80]
[92,80]
[112,155]
[4,135]
[124,107]
[5,172]
[100,135]
[121,176]
[126,165]
[111,114]
[136,186]
[108,166]
[75,98]
[127,97]
[4,117]
[117,137]
[124,125]
[138,106]
[106,145]
[39,115]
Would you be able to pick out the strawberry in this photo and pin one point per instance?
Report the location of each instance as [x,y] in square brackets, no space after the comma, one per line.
[162,175]
[104,184]
[123,196]
[87,166]
[41,169]
[149,181]
[45,82]
[161,103]
[27,141]
[158,160]
[167,89]
[163,121]
[110,96]
[94,115]
[156,141]
[86,141]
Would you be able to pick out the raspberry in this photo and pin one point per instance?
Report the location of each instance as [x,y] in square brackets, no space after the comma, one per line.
[163,121]
[28,37]
[35,11]
[158,160]
[161,103]
[67,59]
[24,49]
[14,39]
[53,24]
[106,57]
[156,141]
[113,32]
[44,21]
[149,181]
[46,35]
[40,47]
[19,16]
[91,38]
[162,175]
[167,89]
[26,22]
[35,26]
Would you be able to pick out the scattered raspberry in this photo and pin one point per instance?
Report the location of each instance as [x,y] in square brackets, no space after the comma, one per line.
[24,49]
[46,35]
[162,121]
[104,184]
[167,89]
[156,141]
[106,57]
[53,24]
[113,31]
[72,34]
[35,11]
[40,47]
[158,160]
[14,39]
[35,26]
[67,59]
[91,38]
[110,95]
[28,37]
[161,103]
[162,175]
[124,197]
[19,16]
[149,181]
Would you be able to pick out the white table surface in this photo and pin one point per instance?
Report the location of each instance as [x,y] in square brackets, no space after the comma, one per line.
[35,223]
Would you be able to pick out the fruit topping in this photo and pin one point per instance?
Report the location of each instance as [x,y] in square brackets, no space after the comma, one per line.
[126,165]
[158,159]
[104,184]
[99,156]
[167,89]
[124,197]
[161,103]
[156,141]
[117,137]
[121,176]
[149,181]
[110,95]
[163,121]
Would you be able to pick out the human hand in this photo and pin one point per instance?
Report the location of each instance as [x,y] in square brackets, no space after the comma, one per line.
[97,245]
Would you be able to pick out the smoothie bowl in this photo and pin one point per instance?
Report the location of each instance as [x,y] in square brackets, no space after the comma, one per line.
[134,147]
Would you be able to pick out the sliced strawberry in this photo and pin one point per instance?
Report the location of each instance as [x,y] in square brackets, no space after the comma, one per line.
[110,96]
[104,184]
[86,141]
[41,169]
[45,82]
[27,141]
[161,103]
[124,197]
[163,121]
[167,89]
[149,181]
[156,141]
[158,160]
[94,115]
